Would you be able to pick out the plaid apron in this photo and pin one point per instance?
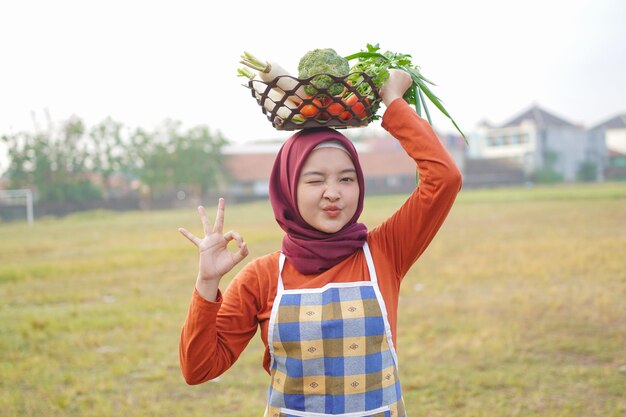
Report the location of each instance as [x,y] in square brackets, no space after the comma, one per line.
[332,352]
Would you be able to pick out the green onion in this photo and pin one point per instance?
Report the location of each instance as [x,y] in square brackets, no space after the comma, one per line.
[376,65]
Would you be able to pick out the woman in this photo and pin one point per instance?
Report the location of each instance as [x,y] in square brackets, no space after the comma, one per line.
[326,303]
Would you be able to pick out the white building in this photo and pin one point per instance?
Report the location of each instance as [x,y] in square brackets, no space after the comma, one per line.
[613,134]
[540,142]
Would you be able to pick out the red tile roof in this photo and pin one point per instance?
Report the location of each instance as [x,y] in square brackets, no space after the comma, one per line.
[251,167]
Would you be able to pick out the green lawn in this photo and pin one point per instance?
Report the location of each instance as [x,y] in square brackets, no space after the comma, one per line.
[518,308]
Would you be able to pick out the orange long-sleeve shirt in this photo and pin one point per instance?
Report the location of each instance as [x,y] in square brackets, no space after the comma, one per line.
[215,333]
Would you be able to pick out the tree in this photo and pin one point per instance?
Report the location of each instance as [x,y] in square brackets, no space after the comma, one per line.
[198,160]
[53,162]
[20,163]
[150,161]
[61,163]
[108,154]
[170,158]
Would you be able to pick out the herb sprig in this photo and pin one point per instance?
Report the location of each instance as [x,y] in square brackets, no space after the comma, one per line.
[376,65]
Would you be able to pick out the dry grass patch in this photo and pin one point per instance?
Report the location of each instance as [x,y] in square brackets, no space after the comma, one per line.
[516,309]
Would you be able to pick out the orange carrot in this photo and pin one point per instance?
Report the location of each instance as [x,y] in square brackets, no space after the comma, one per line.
[312,109]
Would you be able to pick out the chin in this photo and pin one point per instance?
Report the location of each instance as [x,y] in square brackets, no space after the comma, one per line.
[330,228]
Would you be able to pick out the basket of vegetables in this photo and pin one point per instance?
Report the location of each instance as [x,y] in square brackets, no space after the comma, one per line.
[325,93]
[328,91]
[288,109]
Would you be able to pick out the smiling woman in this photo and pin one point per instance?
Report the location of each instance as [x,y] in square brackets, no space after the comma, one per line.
[326,304]
[311,182]
[328,191]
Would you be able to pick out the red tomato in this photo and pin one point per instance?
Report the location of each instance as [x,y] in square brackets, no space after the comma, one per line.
[326,102]
[357,108]
[350,100]
[346,115]
[311,110]
[335,109]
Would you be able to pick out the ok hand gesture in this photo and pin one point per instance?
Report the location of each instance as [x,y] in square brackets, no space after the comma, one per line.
[215,258]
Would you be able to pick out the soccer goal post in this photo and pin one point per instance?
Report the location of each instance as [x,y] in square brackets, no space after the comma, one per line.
[22,197]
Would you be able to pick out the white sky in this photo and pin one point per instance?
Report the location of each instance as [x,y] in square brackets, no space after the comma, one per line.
[142,62]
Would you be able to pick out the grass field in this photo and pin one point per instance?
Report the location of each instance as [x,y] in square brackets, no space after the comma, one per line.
[518,308]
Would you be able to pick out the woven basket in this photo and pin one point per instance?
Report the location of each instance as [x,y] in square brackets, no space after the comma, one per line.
[321,108]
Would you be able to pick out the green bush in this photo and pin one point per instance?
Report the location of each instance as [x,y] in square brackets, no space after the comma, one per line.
[587,172]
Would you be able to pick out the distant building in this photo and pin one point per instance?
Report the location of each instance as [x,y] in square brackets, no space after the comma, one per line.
[616,169]
[386,167]
[613,134]
[248,174]
[540,141]
[530,147]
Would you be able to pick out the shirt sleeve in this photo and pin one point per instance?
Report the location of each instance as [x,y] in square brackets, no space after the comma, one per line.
[215,333]
[408,232]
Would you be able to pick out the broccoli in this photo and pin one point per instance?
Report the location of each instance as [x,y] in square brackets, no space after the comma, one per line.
[323,61]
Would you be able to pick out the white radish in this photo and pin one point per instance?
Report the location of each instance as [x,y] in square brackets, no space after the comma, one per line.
[268,71]
[273,100]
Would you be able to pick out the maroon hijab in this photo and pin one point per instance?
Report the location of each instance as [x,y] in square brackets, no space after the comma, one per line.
[310,250]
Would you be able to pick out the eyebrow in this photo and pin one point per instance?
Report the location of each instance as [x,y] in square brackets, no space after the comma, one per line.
[345,171]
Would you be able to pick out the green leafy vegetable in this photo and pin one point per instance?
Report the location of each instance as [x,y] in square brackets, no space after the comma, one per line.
[376,65]
[323,61]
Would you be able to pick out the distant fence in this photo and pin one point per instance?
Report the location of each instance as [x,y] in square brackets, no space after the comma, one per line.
[61,208]
[19,203]
[493,173]
[13,211]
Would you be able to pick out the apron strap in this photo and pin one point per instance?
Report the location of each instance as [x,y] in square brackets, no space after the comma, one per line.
[370,263]
[381,300]
[281,263]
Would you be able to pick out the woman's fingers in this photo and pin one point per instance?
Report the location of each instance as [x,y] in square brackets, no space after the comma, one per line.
[398,83]
[217,229]
[193,239]
[204,219]
[232,235]
[241,253]
[219,217]
[218,226]
[243,248]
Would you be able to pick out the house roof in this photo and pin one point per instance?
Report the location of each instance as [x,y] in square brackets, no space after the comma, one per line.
[383,163]
[539,117]
[258,166]
[250,166]
[615,154]
[617,122]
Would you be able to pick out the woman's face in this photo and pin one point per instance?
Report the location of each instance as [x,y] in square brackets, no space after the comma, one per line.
[328,190]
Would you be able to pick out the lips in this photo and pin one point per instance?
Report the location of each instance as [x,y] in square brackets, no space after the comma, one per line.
[332,211]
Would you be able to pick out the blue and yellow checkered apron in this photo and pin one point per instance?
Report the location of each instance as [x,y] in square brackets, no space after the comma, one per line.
[332,352]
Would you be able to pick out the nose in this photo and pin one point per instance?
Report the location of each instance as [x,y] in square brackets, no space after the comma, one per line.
[331,193]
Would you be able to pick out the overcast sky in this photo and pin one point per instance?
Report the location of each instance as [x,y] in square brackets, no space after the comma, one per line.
[142,62]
